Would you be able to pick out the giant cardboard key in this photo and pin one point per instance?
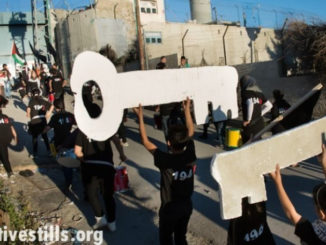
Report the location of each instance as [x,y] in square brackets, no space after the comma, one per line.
[126,90]
[239,173]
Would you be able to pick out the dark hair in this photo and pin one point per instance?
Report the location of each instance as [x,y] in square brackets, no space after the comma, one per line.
[178,136]
[58,104]
[4,65]
[160,66]
[183,57]
[162,57]
[319,196]
[278,95]
[247,81]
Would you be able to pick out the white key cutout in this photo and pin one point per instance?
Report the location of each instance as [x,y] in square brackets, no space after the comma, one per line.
[216,84]
[239,173]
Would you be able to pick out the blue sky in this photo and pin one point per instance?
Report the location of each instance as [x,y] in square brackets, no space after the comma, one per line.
[270,13]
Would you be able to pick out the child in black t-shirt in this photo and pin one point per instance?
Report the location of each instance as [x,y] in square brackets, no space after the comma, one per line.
[98,172]
[309,233]
[38,110]
[56,84]
[177,177]
[62,123]
[251,227]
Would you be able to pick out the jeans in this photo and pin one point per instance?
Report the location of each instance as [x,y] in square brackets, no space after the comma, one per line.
[220,129]
[7,89]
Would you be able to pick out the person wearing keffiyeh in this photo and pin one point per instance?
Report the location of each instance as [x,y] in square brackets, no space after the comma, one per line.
[310,233]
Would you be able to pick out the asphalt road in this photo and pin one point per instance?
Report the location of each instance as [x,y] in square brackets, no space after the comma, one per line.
[137,209]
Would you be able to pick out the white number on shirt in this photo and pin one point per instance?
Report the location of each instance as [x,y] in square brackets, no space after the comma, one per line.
[183,175]
[254,234]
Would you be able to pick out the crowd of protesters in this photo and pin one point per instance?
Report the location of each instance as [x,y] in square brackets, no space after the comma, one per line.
[44,92]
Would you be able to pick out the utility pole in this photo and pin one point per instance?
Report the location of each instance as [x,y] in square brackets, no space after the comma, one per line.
[140,37]
[48,29]
[34,23]
[47,15]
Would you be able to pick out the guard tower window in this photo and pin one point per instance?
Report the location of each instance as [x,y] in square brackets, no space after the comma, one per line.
[154,11]
[148,10]
[143,10]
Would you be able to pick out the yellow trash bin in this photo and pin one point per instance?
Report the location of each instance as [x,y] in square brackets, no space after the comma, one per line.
[234,139]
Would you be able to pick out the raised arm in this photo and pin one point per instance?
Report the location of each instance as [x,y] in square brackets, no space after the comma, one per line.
[286,203]
[146,142]
[322,158]
[49,112]
[189,122]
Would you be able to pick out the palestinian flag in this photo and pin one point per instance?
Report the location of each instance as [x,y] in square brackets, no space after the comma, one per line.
[16,56]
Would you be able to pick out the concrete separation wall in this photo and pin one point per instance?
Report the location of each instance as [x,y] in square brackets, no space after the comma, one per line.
[86,31]
[203,44]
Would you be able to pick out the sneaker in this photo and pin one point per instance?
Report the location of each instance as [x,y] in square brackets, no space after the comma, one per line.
[100,222]
[125,144]
[112,226]
[10,174]
[67,189]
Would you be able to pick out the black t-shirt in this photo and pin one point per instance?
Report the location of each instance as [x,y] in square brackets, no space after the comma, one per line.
[44,78]
[177,174]
[25,76]
[57,82]
[31,85]
[279,107]
[38,107]
[256,99]
[305,231]
[61,123]
[250,229]
[5,130]
[95,150]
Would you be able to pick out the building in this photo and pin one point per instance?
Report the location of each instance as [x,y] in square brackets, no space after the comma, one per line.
[17,27]
[206,43]
[113,24]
